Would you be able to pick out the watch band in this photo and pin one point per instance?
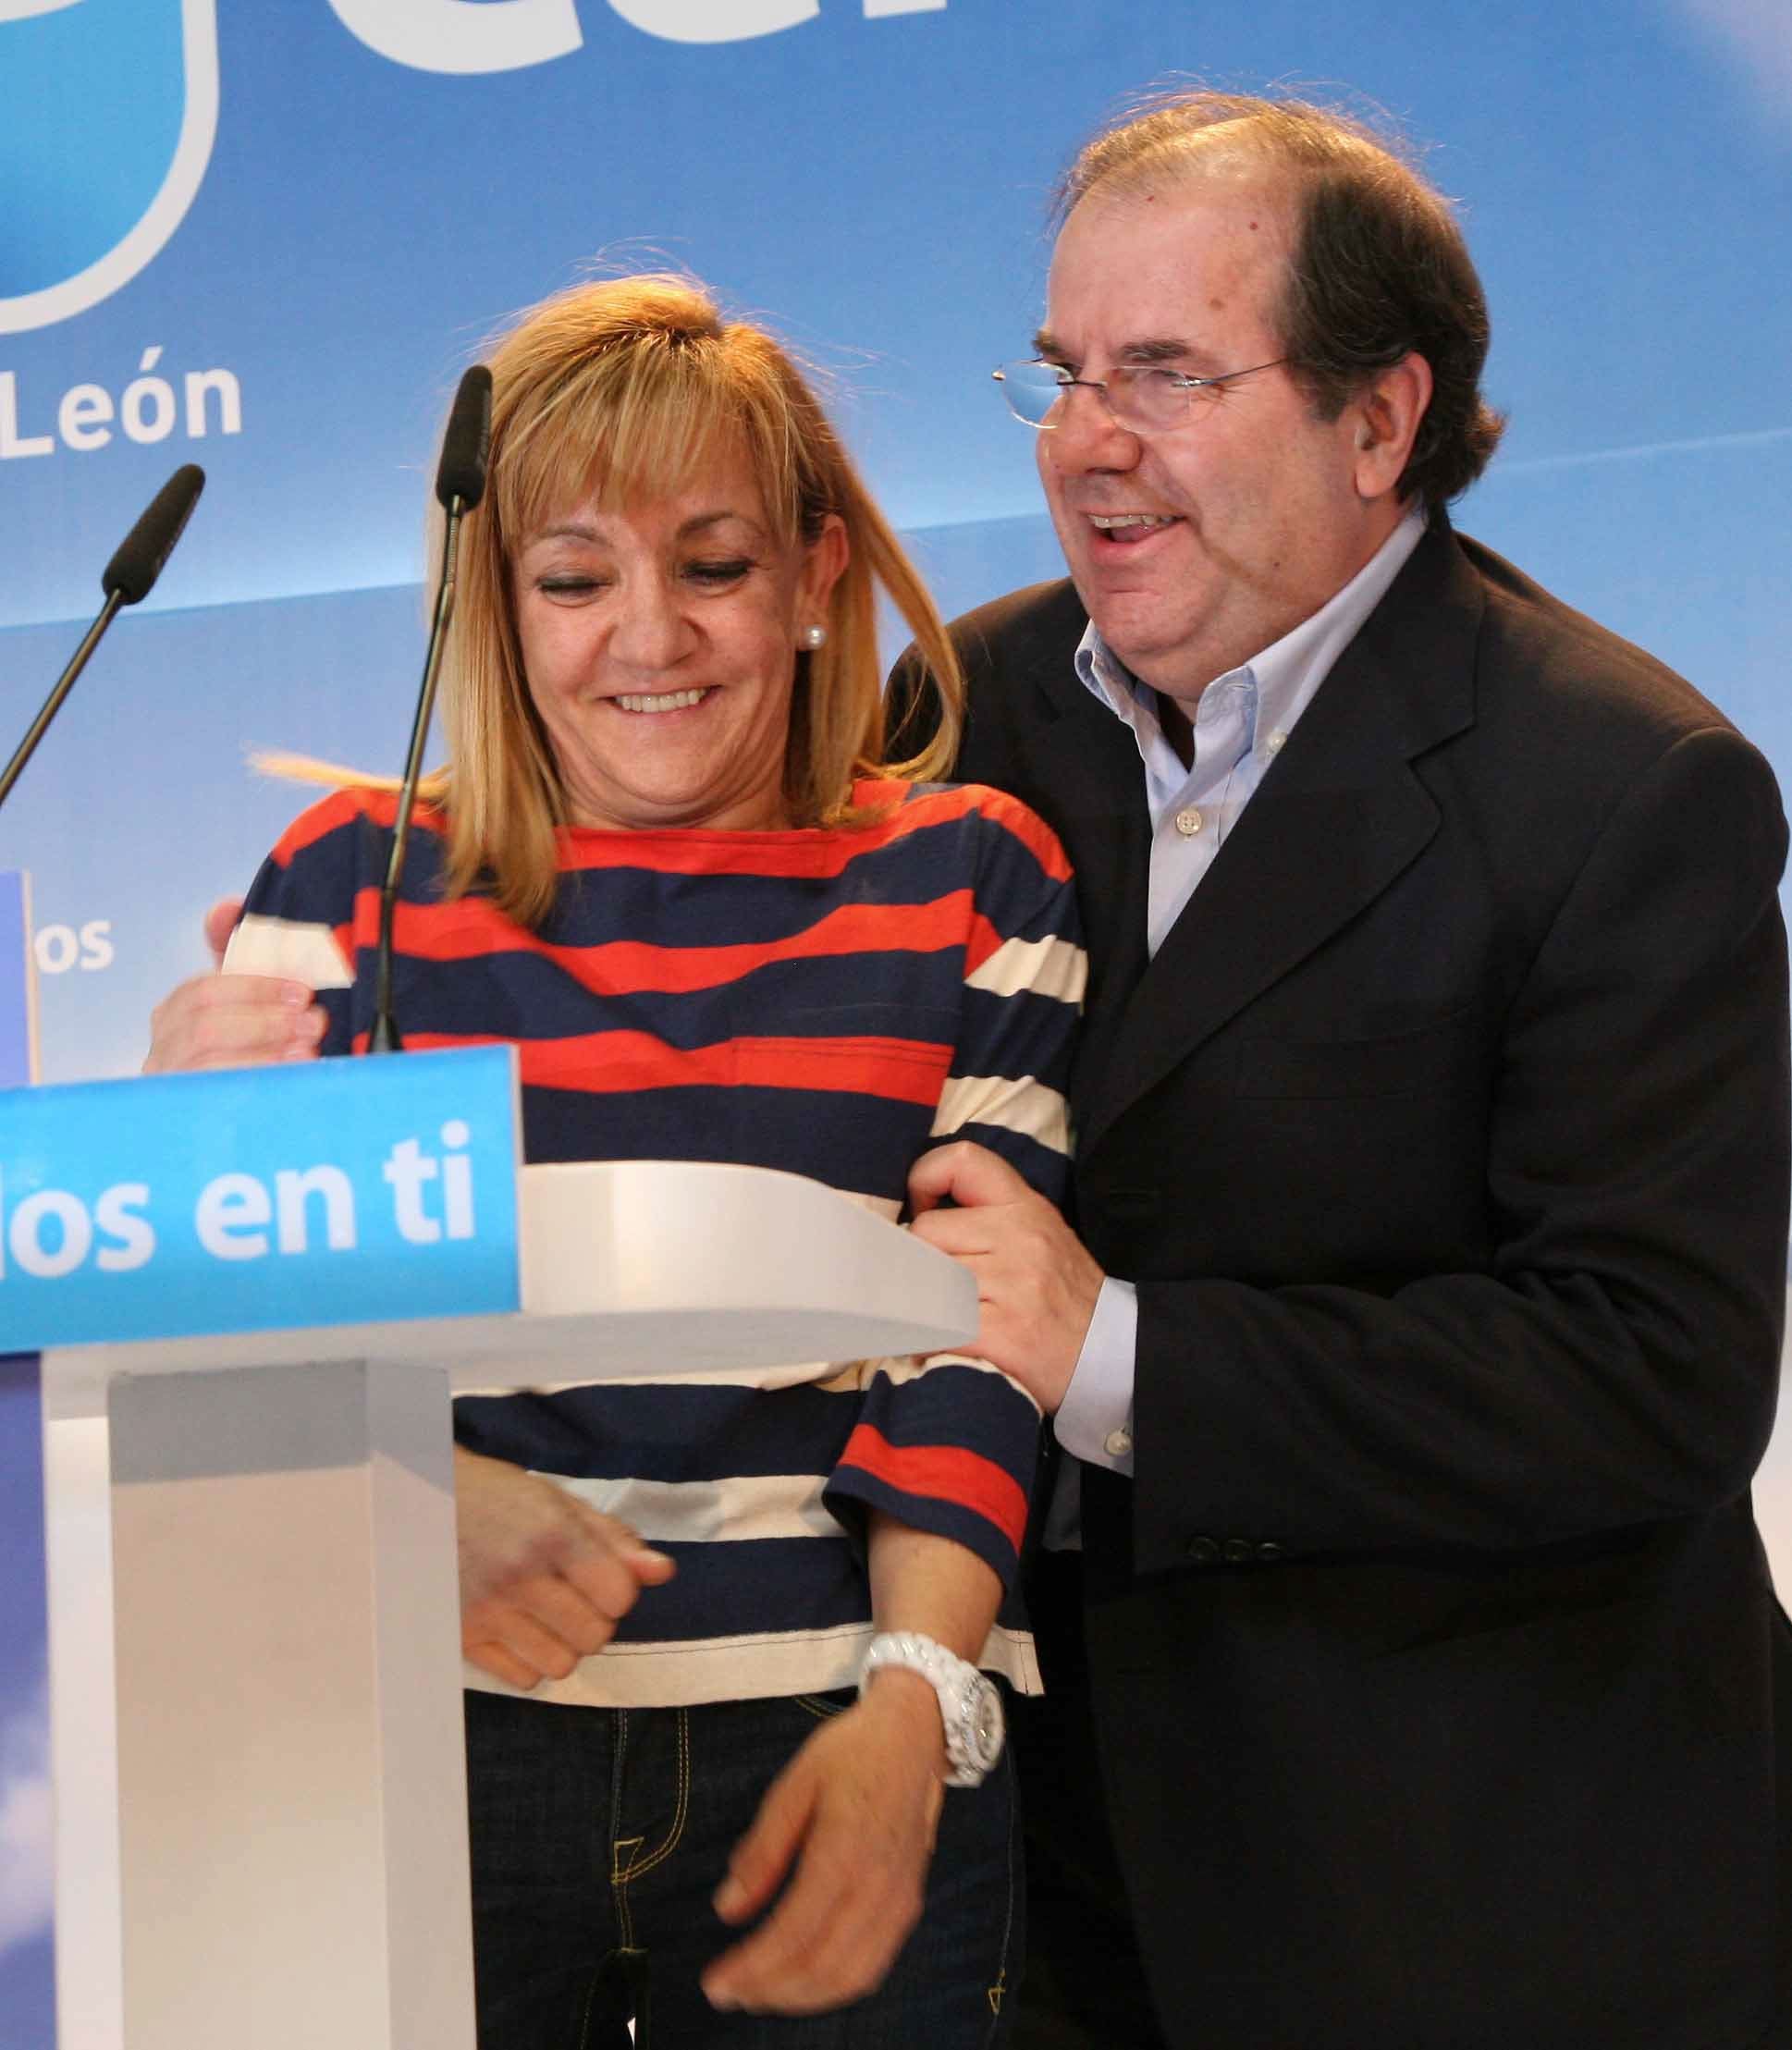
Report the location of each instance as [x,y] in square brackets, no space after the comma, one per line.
[970,1706]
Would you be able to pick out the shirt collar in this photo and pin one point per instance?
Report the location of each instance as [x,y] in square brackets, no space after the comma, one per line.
[1281,682]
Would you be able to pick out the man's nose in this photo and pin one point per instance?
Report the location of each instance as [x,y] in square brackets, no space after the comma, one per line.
[1085,435]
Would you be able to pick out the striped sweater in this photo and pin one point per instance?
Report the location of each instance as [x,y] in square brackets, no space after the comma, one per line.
[831,1002]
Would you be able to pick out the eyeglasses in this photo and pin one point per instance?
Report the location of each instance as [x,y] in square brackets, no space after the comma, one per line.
[1146,399]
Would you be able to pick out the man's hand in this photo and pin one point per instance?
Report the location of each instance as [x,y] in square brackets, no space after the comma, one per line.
[856,1809]
[1037,1285]
[219,1021]
[544,1579]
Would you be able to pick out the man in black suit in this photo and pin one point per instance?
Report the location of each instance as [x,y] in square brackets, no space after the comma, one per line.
[1419,1333]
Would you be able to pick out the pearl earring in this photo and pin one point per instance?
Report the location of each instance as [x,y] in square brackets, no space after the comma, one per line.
[813,637]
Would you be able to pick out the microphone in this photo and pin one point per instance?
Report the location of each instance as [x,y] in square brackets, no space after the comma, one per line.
[462,472]
[145,551]
[460,485]
[128,579]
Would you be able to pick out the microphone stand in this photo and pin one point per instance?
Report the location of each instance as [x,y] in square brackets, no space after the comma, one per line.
[130,575]
[384,1037]
[65,683]
[460,485]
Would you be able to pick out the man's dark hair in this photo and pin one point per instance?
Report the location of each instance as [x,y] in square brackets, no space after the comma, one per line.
[1378,265]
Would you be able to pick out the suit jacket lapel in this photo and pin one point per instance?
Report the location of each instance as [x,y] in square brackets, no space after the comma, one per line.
[1335,820]
[1079,768]
[1092,783]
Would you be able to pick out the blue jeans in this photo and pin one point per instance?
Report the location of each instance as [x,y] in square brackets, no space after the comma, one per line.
[600,1834]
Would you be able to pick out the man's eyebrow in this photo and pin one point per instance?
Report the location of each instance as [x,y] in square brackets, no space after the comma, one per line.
[1151,348]
[1158,349]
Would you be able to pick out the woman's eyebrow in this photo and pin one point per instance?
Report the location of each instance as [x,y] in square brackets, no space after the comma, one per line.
[586,530]
[702,520]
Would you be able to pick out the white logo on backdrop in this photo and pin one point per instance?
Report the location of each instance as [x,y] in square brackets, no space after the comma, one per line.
[737,21]
[148,410]
[167,207]
[1755,37]
[459,36]
[61,948]
[463,35]
[506,35]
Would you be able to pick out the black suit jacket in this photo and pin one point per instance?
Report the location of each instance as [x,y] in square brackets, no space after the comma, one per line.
[1432,1647]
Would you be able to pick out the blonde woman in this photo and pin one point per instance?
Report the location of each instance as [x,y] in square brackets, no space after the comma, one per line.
[727,1643]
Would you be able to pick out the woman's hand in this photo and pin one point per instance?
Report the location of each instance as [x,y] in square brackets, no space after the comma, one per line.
[219,1021]
[856,1810]
[544,1579]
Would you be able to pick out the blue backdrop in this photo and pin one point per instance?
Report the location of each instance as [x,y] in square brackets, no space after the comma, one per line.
[267,239]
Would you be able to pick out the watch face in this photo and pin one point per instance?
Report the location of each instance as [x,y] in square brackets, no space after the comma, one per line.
[981,1723]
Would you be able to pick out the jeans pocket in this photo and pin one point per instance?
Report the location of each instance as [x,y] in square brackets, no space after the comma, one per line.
[823,1706]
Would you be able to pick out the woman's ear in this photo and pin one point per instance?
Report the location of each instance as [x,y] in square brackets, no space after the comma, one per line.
[824,563]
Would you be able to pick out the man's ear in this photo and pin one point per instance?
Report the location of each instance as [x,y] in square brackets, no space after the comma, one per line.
[1386,416]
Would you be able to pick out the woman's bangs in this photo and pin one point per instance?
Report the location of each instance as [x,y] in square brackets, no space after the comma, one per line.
[648,423]
[644,423]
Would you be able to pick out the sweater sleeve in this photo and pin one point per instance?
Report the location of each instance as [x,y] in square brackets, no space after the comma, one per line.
[947,1443]
[315,893]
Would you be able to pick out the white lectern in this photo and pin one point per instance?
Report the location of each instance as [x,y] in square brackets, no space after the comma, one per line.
[277,1858]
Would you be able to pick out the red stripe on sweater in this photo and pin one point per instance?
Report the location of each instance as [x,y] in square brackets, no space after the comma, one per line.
[341,808]
[470,929]
[1006,812]
[907,1071]
[946,1473]
[795,853]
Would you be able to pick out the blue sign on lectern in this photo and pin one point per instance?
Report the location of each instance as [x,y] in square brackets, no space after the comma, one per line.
[329,1192]
[26,1938]
[18,983]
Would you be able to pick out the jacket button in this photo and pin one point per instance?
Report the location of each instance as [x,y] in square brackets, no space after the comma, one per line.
[1203,1552]
[1238,1550]
[1268,1552]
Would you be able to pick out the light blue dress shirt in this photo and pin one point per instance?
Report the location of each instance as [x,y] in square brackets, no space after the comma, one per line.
[1242,722]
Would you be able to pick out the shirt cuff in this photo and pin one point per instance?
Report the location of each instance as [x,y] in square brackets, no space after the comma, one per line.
[1095,1420]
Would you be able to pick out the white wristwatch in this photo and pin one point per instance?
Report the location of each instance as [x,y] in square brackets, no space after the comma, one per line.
[970,1705]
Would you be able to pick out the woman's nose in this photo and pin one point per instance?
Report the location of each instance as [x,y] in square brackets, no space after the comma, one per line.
[651,632]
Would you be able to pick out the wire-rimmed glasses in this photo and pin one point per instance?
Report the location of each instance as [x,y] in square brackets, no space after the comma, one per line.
[1146,398]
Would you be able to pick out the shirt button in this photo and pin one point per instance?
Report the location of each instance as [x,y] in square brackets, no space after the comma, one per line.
[1117,1444]
[1276,742]
[1188,823]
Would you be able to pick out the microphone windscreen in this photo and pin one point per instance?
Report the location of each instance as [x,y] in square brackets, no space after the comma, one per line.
[461,473]
[133,569]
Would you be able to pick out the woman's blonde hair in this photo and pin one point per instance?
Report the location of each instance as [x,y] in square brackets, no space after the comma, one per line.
[621,390]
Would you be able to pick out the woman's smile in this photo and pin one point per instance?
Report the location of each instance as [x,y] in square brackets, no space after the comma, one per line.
[659,642]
